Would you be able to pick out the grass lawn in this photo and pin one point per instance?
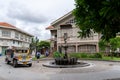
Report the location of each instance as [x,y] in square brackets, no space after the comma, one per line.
[110,58]
[95,56]
[104,58]
[88,56]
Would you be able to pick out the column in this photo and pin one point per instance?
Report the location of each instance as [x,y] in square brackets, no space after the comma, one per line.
[76,47]
[97,47]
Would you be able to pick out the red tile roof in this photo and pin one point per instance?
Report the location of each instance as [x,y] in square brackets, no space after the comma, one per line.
[50,27]
[6,25]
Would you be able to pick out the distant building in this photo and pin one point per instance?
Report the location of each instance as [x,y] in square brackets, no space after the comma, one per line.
[66,25]
[13,36]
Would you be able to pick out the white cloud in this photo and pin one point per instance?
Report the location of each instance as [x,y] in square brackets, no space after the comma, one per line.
[34,16]
[38,30]
[19,11]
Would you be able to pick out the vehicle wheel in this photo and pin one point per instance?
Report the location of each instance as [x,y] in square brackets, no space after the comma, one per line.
[8,62]
[29,65]
[14,63]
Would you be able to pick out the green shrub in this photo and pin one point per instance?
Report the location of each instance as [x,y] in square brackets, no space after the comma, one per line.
[58,55]
[95,55]
[62,55]
[98,55]
[76,55]
[91,55]
[84,55]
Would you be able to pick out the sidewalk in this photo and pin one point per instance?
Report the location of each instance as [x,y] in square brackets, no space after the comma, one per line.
[47,58]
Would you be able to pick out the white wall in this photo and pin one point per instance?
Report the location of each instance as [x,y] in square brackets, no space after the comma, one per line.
[8,41]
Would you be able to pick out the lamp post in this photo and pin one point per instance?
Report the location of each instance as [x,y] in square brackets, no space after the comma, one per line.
[36,41]
[65,40]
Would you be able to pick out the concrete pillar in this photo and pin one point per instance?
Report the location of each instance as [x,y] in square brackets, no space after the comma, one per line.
[97,47]
[76,47]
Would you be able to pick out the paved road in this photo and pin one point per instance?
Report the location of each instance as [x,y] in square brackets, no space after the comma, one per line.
[100,70]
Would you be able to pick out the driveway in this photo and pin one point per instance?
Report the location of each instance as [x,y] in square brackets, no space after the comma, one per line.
[99,70]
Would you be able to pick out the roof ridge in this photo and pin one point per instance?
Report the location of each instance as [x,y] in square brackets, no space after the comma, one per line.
[6,24]
[62,17]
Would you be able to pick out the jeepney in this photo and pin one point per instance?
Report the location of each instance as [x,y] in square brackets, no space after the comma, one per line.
[18,56]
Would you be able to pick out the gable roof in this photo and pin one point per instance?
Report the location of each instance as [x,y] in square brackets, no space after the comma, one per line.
[50,27]
[61,18]
[6,25]
[9,26]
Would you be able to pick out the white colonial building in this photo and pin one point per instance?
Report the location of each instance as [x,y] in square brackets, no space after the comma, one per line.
[13,36]
[66,25]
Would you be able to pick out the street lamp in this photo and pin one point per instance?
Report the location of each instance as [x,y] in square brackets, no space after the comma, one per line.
[65,37]
[65,40]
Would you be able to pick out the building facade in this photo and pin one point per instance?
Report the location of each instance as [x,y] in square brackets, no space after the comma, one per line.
[66,25]
[12,36]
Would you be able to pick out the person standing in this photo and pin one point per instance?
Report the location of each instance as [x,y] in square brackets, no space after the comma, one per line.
[38,56]
[46,53]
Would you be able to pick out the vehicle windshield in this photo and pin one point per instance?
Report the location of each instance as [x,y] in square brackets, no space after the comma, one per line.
[21,51]
[8,51]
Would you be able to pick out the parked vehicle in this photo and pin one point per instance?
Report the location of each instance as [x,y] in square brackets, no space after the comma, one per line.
[18,56]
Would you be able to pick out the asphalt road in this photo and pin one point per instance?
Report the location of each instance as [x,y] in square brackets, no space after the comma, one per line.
[100,70]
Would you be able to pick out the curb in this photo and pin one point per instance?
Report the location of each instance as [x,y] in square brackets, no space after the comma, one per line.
[80,59]
[100,60]
[47,59]
[81,64]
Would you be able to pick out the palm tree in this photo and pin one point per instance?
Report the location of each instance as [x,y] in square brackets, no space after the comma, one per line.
[33,45]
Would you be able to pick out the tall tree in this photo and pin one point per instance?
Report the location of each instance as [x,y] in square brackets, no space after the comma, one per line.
[102,16]
[114,43]
[44,44]
[34,43]
[103,44]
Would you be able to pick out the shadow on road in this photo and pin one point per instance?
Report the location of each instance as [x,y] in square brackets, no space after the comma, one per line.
[18,66]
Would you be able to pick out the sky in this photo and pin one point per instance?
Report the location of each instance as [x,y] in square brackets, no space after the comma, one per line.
[33,16]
